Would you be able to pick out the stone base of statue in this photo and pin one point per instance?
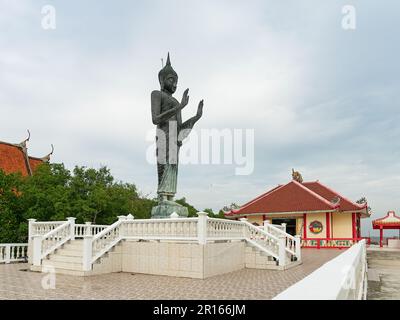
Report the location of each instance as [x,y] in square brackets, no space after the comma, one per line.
[166,207]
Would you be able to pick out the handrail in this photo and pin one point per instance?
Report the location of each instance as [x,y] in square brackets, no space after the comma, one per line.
[50,233]
[290,240]
[280,231]
[220,229]
[41,228]
[269,243]
[59,239]
[82,229]
[260,230]
[224,220]
[343,278]
[106,230]
[13,252]
[164,219]
[202,229]
[48,222]
[99,249]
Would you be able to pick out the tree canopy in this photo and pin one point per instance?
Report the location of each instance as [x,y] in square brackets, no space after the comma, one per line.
[54,193]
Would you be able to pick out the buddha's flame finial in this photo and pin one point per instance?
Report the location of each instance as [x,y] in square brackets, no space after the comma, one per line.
[166,71]
[168,60]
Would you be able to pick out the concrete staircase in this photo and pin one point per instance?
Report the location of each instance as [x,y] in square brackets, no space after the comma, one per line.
[68,260]
[258,259]
[65,260]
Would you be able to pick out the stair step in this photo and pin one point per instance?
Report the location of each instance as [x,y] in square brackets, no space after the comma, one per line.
[62,265]
[69,272]
[70,253]
[62,257]
[73,245]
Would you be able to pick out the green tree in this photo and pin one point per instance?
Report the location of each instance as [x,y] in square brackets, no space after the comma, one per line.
[10,207]
[53,193]
[363,200]
[192,210]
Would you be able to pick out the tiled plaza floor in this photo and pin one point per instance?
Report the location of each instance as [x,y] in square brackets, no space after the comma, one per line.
[244,284]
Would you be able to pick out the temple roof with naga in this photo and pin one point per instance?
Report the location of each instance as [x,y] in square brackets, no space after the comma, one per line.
[14,158]
[299,197]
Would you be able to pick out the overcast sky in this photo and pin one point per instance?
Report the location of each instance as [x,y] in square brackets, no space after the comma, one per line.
[321,99]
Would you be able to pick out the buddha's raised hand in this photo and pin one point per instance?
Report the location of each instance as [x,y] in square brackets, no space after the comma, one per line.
[185,99]
[200,109]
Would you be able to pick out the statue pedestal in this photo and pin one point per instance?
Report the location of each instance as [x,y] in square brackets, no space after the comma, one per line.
[165,208]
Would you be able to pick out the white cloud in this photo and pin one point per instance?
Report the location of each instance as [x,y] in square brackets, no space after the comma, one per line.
[289,73]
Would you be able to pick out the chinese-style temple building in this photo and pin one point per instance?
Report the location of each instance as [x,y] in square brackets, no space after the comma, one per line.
[14,158]
[390,221]
[319,214]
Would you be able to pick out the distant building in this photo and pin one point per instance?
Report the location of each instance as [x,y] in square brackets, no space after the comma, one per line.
[390,221]
[320,215]
[15,158]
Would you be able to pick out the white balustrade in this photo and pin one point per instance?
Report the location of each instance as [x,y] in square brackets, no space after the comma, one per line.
[153,229]
[290,241]
[13,252]
[99,239]
[342,278]
[102,242]
[56,238]
[224,229]
[83,229]
[262,239]
[41,228]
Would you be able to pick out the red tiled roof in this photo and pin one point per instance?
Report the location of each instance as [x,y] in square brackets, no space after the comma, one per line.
[389,220]
[291,197]
[12,159]
[297,197]
[34,163]
[329,194]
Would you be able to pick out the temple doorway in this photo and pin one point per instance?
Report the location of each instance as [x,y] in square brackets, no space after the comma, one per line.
[290,225]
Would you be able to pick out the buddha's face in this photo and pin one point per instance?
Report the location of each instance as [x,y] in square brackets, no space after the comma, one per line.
[170,84]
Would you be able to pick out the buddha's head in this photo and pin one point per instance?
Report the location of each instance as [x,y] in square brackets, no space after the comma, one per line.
[168,78]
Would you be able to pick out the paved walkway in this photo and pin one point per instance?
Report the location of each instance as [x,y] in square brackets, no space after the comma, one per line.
[385,265]
[246,284]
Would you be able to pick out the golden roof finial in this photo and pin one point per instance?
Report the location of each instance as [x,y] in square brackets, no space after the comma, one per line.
[297,176]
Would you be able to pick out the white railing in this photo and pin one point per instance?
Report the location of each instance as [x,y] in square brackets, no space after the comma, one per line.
[56,238]
[13,252]
[155,229]
[88,229]
[279,226]
[223,229]
[101,243]
[342,278]
[292,244]
[262,239]
[145,229]
[100,239]
[41,228]
[43,245]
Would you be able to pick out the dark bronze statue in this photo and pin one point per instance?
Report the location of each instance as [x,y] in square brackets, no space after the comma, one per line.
[171,131]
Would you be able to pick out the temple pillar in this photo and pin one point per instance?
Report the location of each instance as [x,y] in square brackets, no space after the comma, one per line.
[328,225]
[380,237]
[353,222]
